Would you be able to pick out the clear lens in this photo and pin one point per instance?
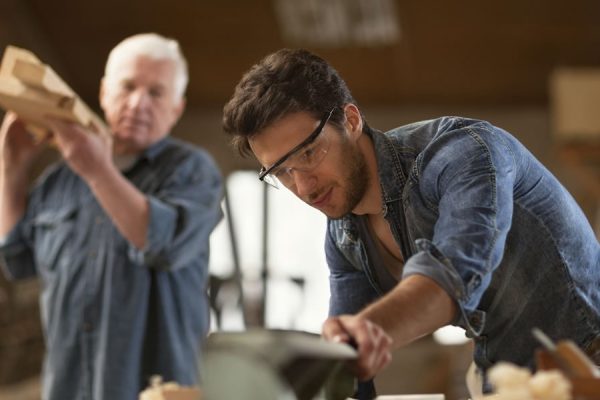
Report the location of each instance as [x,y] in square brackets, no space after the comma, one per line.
[305,160]
[271,180]
[304,157]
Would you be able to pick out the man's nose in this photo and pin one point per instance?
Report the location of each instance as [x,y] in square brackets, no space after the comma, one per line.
[304,181]
[138,99]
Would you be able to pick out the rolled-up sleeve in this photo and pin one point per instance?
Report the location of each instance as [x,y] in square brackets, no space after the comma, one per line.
[469,178]
[183,213]
[16,256]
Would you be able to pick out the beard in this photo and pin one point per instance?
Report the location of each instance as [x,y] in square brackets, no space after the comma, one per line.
[356,178]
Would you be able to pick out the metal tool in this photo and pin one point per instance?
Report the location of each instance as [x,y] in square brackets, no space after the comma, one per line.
[266,364]
[568,356]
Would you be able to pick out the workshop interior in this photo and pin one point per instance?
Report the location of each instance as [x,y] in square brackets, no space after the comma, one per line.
[532,68]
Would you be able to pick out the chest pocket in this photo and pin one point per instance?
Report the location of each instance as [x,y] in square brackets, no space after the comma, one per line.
[54,236]
[420,215]
[346,239]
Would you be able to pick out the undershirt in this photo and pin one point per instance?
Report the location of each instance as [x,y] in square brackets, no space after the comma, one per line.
[386,267]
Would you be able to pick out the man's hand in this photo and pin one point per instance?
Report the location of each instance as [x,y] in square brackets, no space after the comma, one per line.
[372,342]
[18,148]
[87,153]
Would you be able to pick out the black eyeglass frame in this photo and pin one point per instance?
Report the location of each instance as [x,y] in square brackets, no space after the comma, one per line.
[311,138]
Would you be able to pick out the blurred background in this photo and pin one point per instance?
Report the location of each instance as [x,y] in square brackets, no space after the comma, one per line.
[532,68]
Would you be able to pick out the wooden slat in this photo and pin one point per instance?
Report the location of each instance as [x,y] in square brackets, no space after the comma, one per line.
[34,92]
[40,77]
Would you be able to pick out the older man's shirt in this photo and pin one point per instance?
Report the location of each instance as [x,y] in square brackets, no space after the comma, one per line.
[114,315]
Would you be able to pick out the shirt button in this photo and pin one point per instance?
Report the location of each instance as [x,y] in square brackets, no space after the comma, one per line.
[98,220]
[87,327]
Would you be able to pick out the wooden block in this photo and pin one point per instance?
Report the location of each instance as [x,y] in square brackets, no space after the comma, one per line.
[579,363]
[182,394]
[586,388]
[33,105]
[170,391]
[11,87]
[34,91]
[11,55]
[42,77]
[583,388]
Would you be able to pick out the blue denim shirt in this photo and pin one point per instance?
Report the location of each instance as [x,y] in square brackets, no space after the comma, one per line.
[113,314]
[473,210]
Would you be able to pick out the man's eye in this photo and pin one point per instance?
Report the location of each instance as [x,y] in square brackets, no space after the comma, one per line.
[278,172]
[155,93]
[307,155]
[127,86]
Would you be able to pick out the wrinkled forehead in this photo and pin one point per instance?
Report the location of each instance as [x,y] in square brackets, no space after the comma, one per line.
[142,68]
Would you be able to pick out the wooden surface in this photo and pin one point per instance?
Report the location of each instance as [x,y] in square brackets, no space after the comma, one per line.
[583,158]
[575,93]
[584,388]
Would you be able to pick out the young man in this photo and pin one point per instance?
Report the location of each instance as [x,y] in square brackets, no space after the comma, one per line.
[118,232]
[447,221]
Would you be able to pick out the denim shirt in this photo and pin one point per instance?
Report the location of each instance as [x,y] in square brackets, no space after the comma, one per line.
[113,314]
[473,210]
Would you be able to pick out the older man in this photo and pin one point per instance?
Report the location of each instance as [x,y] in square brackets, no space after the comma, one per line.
[118,232]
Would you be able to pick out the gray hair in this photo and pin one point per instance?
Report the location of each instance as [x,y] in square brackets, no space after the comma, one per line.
[153,46]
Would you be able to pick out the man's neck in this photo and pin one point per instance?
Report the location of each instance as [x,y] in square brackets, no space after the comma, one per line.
[371,203]
[124,161]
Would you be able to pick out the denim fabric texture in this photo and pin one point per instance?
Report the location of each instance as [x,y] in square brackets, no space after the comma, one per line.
[474,210]
[114,315]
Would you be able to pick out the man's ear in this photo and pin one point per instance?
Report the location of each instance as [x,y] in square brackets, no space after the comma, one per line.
[179,108]
[102,93]
[354,122]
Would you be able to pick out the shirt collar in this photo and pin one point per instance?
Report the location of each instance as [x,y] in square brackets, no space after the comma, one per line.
[155,149]
[389,167]
[150,153]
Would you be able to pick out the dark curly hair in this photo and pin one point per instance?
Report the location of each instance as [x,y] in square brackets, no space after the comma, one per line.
[284,82]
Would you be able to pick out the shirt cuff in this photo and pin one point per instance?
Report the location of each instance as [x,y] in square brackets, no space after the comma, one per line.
[430,262]
[161,229]
[13,236]
[15,258]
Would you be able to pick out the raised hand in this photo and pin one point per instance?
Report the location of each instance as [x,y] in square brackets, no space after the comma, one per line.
[18,148]
[87,153]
